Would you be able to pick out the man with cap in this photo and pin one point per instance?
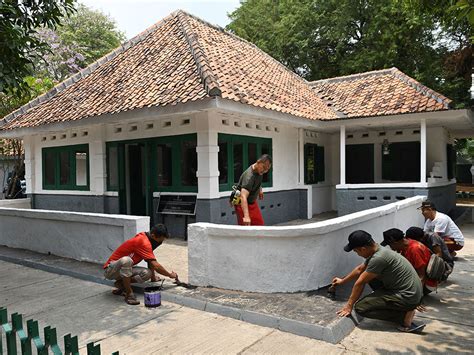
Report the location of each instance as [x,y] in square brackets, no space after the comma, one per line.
[442,225]
[434,242]
[415,252]
[121,264]
[397,287]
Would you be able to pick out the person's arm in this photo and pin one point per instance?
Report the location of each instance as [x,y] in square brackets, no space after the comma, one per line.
[156,266]
[260,194]
[244,194]
[421,271]
[363,279]
[437,250]
[358,270]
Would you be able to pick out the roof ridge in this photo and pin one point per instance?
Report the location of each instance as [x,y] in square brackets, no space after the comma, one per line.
[223,30]
[397,73]
[61,86]
[353,76]
[204,69]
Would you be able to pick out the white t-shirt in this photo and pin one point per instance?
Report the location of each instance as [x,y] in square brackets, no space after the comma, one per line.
[444,226]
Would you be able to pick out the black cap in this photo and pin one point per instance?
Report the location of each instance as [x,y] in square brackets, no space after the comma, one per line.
[392,235]
[415,233]
[358,239]
[427,204]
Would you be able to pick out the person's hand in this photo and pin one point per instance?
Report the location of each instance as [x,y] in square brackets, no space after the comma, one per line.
[345,311]
[421,308]
[336,281]
[173,275]
[260,195]
[246,221]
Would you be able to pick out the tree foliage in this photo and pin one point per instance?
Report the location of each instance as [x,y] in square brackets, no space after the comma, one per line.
[19,22]
[328,38]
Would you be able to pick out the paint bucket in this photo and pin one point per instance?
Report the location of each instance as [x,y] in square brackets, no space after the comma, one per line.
[152,296]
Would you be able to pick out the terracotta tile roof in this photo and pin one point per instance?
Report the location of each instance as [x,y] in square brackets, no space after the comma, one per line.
[378,93]
[180,59]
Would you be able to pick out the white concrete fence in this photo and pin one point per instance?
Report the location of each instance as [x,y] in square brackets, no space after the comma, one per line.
[16,203]
[287,258]
[81,236]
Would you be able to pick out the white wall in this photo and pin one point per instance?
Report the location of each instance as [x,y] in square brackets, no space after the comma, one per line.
[81,236]
[437,139]
[16,203]
[289,258]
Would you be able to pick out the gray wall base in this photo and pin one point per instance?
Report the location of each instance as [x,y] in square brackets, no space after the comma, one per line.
[354,200]
[276,207]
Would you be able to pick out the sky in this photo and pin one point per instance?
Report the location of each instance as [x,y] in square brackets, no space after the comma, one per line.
[134,16]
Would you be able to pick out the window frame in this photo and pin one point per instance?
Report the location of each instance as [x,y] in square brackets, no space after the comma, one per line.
[71,150]
[151,146]
[319,163]
[230,140]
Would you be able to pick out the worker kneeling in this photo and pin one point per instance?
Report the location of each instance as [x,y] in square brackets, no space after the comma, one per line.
[121,264]
[397,287]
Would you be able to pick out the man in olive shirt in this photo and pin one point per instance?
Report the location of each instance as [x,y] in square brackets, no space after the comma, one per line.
[250,186]
[397,287]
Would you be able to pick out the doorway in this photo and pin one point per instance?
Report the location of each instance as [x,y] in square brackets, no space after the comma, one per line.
[136,179]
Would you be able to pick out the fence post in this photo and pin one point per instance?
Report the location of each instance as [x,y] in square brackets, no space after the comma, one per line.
[93,349]
[9,332]
[51,340]
[71,345]
[33,334]
[17,324]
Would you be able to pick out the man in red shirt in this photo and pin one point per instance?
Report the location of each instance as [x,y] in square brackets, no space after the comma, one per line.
[120,265]
[416,253]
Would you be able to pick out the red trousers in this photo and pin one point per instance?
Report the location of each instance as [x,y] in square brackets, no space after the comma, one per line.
[255,214]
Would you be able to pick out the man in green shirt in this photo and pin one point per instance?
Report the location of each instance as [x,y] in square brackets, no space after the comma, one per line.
[250,186]
[397,287]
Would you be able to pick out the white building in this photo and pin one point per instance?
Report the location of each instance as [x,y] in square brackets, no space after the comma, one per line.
[185,107]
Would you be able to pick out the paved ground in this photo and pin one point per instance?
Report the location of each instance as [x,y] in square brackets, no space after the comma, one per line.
[94,314]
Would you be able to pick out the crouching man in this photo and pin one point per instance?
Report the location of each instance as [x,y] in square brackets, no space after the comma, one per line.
[120,266]
[397,287]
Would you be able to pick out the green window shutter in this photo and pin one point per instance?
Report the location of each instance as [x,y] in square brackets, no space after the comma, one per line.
[320,165]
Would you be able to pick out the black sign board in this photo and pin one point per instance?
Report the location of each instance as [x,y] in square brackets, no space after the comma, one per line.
[177,204]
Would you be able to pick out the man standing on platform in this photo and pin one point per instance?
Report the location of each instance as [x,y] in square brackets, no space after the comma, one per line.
[250,186]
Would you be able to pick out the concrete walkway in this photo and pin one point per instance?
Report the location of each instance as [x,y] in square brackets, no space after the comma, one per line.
[90,311]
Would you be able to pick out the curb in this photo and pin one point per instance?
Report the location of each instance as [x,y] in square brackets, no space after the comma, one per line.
[333,333]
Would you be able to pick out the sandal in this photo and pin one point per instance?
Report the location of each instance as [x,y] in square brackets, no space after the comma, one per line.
[119,291]
[131,300]
[413,328]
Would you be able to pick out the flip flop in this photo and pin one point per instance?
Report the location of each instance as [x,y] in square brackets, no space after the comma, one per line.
[414,328]
[131,300]
[118,292]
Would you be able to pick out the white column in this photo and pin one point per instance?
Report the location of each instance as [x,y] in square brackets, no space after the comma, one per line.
[301,156]
[342,159]
[29,147]
[207,152]
[423,152]
[97,165]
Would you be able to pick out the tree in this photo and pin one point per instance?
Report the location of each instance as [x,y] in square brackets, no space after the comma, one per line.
[328,38]
[19,21]
[81,39]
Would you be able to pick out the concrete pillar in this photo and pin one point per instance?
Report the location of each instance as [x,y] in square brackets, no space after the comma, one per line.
[207,152]
[342,159]
[301,156]
[423,151]
[97,164]
[30,176]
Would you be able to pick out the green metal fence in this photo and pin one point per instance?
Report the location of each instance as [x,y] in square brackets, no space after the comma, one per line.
[31,334]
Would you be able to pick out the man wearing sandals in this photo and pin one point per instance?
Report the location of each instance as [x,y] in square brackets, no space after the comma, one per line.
[120,266]
[397,287]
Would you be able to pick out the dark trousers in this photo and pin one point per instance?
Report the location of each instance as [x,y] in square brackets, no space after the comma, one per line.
[384,305]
